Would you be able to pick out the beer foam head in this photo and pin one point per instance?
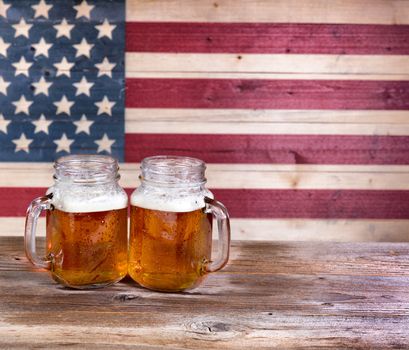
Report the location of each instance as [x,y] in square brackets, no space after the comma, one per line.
[171,183]
[168,201]
[87,183]
[80,201]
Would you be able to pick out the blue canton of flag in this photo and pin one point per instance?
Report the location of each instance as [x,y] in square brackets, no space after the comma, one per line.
[61,78]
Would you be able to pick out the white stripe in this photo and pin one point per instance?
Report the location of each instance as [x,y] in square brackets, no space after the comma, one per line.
[266,122]
[250,176]
[285,11]
[280,229]
[267,75]
[246,116]
[321,230]
[205,127]
[350,66]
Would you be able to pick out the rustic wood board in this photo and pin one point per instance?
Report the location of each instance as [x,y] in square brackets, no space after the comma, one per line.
[271,295]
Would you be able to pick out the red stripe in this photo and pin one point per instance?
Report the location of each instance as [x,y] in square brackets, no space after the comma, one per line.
[267,38]
[284,149]
[319,204]
[14,201]
[264,94]
[241,203]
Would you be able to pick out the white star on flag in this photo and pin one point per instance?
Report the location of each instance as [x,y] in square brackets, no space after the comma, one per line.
[41,87]
[3,9]
[105,29]
[22,143]
[41,48]
[3,47]
[59,88]
[64,29]
[3,85]
[41,9]
[22,28]
[4,123]
[83,48]
[63,144]
[83,125]
[105,106]
[83,87]
[83,9]
[105,68]
[22,105]
[104,144]
[64,106]
[64,67]
[41,124]
[22,66]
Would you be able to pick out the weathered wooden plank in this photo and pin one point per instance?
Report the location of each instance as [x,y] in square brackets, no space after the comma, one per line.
[358,66]
[262,203]
[206,127]
[315,204]
[267,94]
[270,295]
[333,230]
[288,38]
[282,149]
[250,176]
[266,75]
[389,260]
[284,11]
[267,116]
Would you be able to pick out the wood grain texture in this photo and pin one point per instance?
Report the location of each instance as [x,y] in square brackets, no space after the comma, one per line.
[327,230]
[261,203]
[281,149]
[271,295]
[285,38]
[266,116]
[267,94]
[273,122]
[273,66]
[265,75]
[315,204]
[261,122]
[284,11]
[203,126]
[250,176]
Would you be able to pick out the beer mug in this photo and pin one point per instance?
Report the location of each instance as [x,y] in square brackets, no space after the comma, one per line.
[171,225]
[86,215]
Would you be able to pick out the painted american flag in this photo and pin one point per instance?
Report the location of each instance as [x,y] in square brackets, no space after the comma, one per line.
[62,79]
[300,108]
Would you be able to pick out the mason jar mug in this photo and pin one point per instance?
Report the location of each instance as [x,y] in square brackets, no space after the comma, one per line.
[86,223]
[170,240]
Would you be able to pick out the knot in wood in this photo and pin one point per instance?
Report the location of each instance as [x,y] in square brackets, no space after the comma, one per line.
[214,329]
[123,297]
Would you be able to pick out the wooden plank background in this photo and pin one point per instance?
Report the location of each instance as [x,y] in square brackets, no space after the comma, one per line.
[279,94]
[285,295]
[300,108]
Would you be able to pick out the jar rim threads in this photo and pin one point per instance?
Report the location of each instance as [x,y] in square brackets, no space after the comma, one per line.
[86,169]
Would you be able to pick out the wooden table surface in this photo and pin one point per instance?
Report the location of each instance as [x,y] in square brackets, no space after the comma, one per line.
[299,295]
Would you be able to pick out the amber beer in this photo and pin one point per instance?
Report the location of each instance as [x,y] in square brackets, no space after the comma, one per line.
[87,248]
[171,225]
[169,251]
[86,233]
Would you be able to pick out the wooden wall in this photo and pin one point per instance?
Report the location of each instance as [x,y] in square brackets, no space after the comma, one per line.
[300,109]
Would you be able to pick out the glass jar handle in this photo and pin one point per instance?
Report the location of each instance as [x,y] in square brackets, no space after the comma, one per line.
[33,212]
[221,215]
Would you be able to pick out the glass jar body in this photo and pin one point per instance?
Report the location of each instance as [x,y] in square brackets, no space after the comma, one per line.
[170,241]
[86,234]
[170,237]
[86,223]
